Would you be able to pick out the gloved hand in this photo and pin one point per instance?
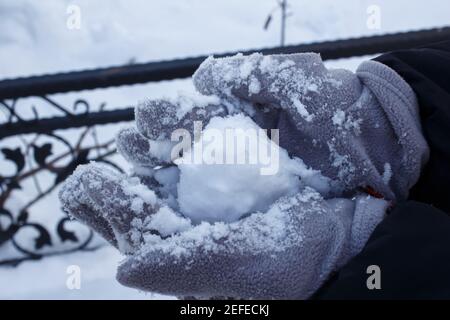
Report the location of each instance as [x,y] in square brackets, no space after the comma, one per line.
[116,206]
[362,130]
[285,253]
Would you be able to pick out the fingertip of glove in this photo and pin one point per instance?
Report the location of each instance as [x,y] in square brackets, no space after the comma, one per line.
[99,181]
[153,116]
[203,76]
[134,147]
[127,276]
[72,191]
[123,274]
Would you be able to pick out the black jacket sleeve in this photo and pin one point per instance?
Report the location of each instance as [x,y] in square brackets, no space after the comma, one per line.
[427,70]
[412,245]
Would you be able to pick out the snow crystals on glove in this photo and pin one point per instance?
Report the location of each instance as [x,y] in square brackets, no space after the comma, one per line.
[186,102]
[139,194]
[167,222]
[272,231]
[157,119]
[280,80]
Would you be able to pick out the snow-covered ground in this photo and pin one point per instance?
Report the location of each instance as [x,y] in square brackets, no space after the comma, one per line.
[35,39]
[47,279]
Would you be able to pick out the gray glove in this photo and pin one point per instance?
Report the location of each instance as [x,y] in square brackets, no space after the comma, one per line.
[361,130]
[285,253]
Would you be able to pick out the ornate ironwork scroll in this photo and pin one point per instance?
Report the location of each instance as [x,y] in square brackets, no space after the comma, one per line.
[25,160]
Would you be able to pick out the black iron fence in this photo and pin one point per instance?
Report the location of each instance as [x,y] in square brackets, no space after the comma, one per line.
[31,149]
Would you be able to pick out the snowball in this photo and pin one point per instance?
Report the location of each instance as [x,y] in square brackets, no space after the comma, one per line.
[234,169]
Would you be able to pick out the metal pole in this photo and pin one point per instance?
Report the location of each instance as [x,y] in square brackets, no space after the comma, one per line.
[283,5]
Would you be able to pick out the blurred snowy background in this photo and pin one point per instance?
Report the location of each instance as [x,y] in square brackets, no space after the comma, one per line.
[35,39]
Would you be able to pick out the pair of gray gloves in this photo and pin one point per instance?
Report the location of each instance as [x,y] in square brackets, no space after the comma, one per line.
[361,130]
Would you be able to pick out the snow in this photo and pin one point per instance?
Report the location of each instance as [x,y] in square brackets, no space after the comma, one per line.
[346,122]
[167,222]
[247,172]
[168,179]
[342,163]
[186,101]
[247,67]
[255,86]
[339,118]
[138,190]
[47,278]
[301,108]
[35,40]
